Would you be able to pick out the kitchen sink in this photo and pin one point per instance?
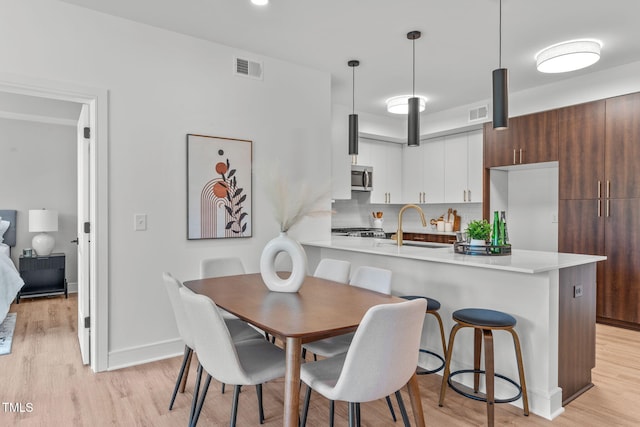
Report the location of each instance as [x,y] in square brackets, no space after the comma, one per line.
[426,245]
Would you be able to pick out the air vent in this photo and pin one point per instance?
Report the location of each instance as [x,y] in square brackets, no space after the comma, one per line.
[247,68]
[479,113]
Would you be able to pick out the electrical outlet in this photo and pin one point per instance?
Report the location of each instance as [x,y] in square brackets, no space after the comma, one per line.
[140,222]
[577,291]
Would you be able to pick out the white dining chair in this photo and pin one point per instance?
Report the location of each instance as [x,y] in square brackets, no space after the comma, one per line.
[333,269]
[239,330]
[251,362]
[380,361]
[366,277]
[220,267]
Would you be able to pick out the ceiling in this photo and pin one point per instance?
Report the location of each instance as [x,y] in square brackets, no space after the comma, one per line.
[454,57]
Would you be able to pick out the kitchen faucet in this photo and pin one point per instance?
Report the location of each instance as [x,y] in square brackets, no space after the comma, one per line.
[404,208]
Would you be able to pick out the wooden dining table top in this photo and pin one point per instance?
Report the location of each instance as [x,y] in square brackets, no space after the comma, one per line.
[319,309]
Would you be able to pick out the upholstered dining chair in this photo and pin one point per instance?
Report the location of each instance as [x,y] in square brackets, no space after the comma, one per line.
[251,362]
[380,361]
[333,269]
[239,330]
[220,267]
[372,278]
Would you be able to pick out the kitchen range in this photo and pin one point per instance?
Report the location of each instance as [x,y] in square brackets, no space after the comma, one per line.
[360,232]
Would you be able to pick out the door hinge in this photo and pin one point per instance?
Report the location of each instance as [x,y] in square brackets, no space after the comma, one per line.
[87,227]
[87,322]
[87,133]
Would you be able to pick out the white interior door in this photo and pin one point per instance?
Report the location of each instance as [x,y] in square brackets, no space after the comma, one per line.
[84,330]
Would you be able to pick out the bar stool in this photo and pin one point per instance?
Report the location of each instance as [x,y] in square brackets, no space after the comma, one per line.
[432,308]
[484,321]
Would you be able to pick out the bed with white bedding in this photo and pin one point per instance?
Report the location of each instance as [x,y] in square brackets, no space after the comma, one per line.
[10,280]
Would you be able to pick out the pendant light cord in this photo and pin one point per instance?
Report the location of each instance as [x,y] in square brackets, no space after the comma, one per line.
[500,39]
[353,90]
[414,67]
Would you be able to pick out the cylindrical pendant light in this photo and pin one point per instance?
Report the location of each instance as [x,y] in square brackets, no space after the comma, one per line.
[500,80]
[353,117]
[413,120]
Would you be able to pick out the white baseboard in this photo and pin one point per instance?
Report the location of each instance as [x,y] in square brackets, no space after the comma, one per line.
[139,355]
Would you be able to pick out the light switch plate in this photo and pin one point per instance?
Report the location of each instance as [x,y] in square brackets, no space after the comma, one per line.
[140,222]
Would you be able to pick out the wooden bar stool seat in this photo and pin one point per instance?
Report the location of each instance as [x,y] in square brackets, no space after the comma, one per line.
[484,322]
[432,308]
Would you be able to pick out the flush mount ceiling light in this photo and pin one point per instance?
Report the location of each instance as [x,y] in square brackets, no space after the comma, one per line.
[568,56]
[400,104]
[260,2]
[353,117]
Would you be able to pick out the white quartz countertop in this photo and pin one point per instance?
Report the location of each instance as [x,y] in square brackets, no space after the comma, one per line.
[523,261]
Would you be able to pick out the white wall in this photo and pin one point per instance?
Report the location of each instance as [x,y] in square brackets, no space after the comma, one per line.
[38,170]
[162,86]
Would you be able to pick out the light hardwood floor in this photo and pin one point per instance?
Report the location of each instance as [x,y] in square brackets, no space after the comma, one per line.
[44,370]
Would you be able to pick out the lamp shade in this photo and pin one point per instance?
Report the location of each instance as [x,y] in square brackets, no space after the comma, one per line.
[413,121]
[353,134]
[500,99]
[43,220]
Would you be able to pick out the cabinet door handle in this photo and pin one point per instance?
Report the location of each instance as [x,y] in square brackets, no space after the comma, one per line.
[464,195]
[608,189]
[599,188]
[599,208]
[607,213]
[521,156]
[514,156]
[468,195]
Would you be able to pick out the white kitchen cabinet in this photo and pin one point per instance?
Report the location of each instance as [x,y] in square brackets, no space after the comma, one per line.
[423,172]
[463,167]
[386,160]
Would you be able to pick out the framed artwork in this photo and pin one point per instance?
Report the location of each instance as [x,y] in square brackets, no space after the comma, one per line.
[218,187]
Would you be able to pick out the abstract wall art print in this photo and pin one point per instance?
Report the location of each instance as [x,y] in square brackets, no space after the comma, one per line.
[218,187]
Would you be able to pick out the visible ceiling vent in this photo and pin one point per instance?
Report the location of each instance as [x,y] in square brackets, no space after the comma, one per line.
[247,68]
[479,113]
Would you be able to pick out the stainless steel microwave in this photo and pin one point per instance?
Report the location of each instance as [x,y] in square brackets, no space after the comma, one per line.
[361,178]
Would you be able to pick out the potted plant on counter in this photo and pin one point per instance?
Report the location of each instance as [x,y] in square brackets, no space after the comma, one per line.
[479,232]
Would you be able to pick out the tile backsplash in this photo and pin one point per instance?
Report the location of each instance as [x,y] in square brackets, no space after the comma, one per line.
[357,213]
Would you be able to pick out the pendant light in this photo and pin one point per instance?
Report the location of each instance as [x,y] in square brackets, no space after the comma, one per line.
[413,138]
[353,117]
[500,89]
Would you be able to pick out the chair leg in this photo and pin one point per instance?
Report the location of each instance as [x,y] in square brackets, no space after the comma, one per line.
[352,415]
[358,414]
[234,407]
[260,408]
[304,353]
[196,390]
[442,337]
[477,348]
[205,388]
[403,410]
[222,387]
[447,365]
[332,411]
[305,408]
[393,413]
[523,385]
[489,375]
[183,383]
[185,359]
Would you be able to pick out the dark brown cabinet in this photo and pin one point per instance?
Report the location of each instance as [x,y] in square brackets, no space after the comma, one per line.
[42,275]
[599,191]
[529,139]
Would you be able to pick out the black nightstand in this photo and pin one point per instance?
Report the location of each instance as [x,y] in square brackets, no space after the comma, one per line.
[43,275]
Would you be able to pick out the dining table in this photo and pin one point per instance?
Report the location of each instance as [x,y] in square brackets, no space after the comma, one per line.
[320,309]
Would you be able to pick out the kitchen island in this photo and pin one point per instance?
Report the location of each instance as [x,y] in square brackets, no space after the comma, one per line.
[552,296]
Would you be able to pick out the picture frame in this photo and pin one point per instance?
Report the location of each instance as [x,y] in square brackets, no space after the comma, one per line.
[219,187]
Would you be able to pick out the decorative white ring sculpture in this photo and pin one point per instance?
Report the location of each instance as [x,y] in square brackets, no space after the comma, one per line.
[283,243]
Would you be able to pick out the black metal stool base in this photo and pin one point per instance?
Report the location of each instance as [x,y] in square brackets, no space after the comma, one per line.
[480,398]
[423,371]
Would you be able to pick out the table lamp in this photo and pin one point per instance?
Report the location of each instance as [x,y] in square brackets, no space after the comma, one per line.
[41,221]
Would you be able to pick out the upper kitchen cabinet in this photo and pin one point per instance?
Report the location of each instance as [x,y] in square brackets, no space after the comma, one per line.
[529,139]
[622,147]
[386,160]
[581,151]
[463,167]
[423,172]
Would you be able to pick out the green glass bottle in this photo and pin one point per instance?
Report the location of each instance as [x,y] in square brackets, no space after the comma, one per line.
[495,232]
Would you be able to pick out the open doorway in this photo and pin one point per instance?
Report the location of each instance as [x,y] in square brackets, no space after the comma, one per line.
[92,236]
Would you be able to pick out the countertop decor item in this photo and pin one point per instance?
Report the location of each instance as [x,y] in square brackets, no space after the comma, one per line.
[479,231]
[291,205]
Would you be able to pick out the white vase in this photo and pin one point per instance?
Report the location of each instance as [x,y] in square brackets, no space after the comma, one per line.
[283,243]
[477,242]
